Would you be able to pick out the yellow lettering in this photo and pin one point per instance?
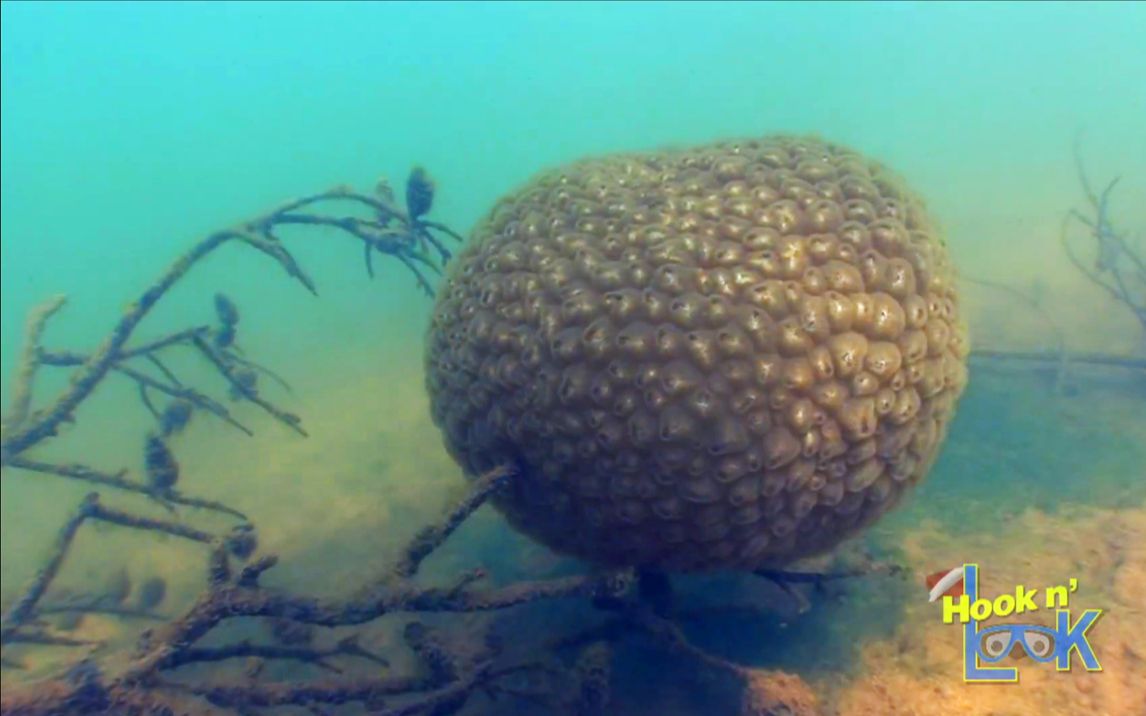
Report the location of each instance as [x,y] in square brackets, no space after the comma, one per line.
[1025,599]
[1004,605]
[960,608]
[1057,597]
[980,609]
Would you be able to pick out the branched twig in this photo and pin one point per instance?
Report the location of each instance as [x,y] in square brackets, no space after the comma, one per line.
[175,389]
[91,508]
[45,423]
[388,230]
[24,608]
[230,601]
[1118,269]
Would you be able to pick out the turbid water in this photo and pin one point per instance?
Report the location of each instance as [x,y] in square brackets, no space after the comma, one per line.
[129,131]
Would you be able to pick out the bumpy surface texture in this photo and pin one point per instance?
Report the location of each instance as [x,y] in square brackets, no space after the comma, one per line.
[723,357]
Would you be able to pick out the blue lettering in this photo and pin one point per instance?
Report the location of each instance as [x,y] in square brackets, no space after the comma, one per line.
[972,672]
[1068,637]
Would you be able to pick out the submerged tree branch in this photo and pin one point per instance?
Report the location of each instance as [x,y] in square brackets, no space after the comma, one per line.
[388,231]
[1117,267]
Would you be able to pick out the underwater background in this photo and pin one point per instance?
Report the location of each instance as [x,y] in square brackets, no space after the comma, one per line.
[128,131]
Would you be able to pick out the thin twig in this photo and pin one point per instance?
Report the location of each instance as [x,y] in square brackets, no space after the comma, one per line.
[90,509]
[29,361]
[25,606]
[246,649]
[291,420]
[119,482]
[431,537]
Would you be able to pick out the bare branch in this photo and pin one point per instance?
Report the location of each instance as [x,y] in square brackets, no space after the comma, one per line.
[1111,248]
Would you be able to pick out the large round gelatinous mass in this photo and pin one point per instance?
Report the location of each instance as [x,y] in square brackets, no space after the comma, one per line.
[722,357]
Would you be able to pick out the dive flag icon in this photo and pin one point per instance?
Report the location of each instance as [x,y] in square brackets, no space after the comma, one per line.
[945,583]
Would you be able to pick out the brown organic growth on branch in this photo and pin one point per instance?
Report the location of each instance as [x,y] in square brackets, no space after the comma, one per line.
[729,356]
